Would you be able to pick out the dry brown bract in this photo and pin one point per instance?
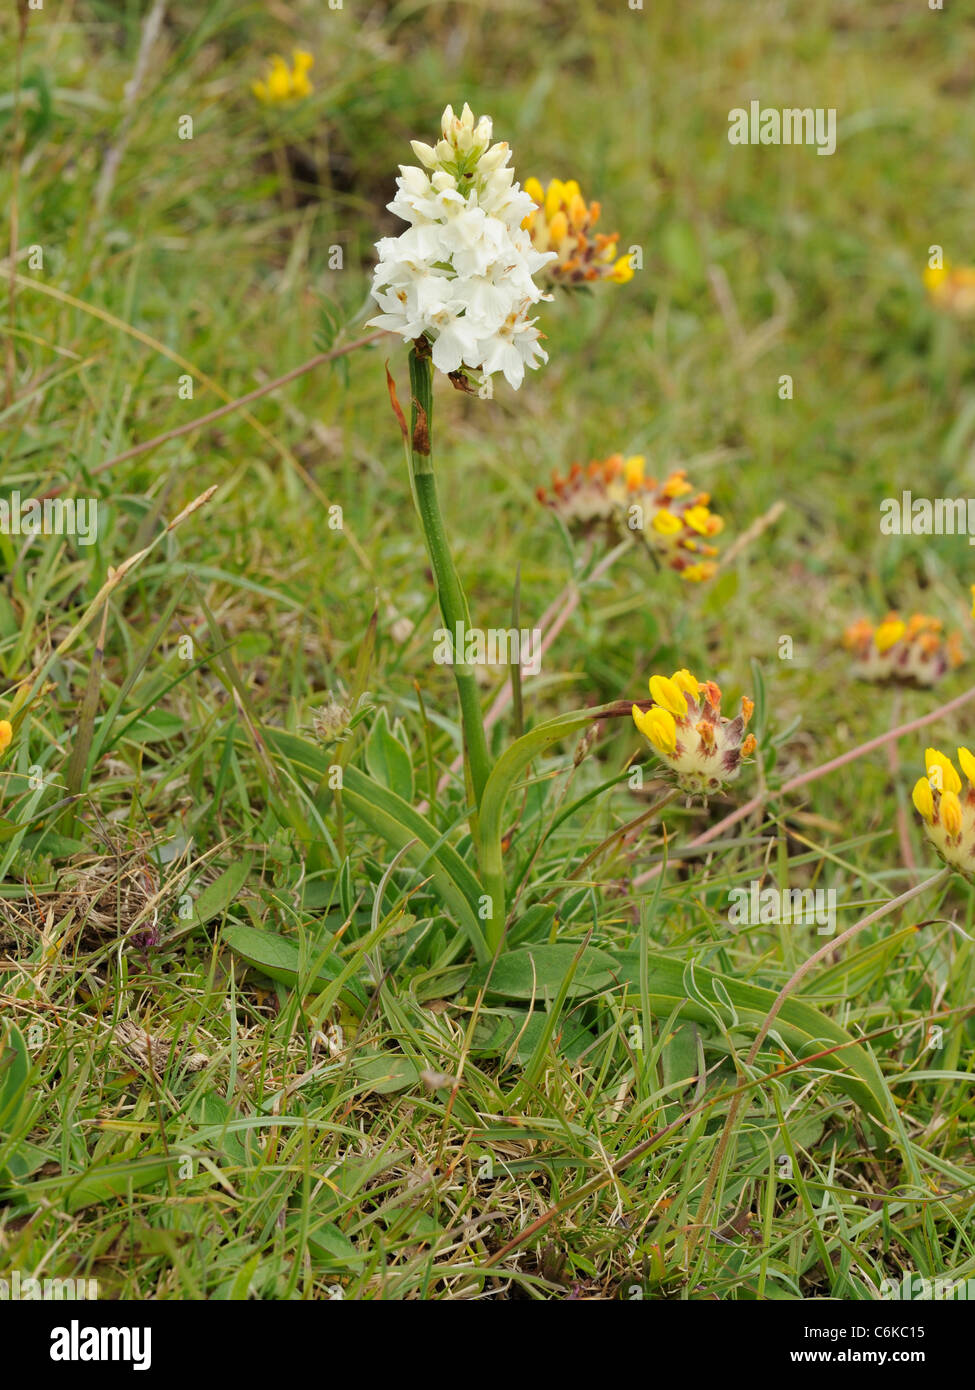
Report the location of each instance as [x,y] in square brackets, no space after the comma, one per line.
[151,1051]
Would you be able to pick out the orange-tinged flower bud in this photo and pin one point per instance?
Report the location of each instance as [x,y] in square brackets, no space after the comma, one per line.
[558,229]
[634,471]
[578,212]
[677,485]
[951,813]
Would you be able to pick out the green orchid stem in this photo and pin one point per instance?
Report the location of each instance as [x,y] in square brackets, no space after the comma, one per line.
[450,592]
[492,877]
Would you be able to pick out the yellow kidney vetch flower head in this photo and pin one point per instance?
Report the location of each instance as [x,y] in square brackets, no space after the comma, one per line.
[6,734]
[947,807]
[951,288]
[618,495]
[914,651]
[283,84]
[564,223]
[688,732]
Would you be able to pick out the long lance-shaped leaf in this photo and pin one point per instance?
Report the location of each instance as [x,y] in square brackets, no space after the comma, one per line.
[702,994]
[398,824]
[505,775]
[676,988]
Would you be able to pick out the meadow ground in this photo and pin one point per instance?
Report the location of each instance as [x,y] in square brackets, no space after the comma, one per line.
[372,1123]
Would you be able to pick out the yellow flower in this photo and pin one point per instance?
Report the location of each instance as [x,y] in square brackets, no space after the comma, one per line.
[934,277]
[634,472]
[941,771]
[699,518]
[912,652]
[696,574]
[951,288]
[889,632]
[678,486]
[619,496]
[948,810]
[686,682]
[669,694]
[923,798]
[563,222]
[283,84]
[666,523]
[658,726]
[6,734]
[967,764]
[688,732]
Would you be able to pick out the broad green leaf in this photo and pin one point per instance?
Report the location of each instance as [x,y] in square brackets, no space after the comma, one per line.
[513,762]
[15,1071]
[50,843]
[495,1034]
[700,996]
[398,824]
[240,1288]
[217,896]
[801,1027]
[444,984]
[154,727]
[679,1055]
[329,1246]
[9,828]
[505,775]
[852,976]
[211,1111]
[388,761]
[98,1185]
[533,925]
[539,971]
[385,1072]
[21,1162]
[280,959]
[18,1101]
